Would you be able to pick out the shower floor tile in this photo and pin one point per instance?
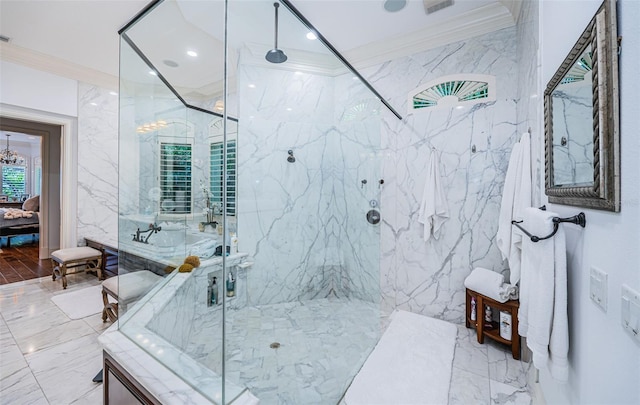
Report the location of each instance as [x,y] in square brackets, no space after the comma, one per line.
[321,346]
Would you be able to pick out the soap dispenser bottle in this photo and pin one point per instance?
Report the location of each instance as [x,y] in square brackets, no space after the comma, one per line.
[213,293]
[231,285]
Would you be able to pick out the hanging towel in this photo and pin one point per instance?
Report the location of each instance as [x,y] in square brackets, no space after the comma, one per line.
[433,208]
[542,315]
[516,196]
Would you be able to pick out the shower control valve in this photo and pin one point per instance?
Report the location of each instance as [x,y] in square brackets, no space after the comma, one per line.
[373,203]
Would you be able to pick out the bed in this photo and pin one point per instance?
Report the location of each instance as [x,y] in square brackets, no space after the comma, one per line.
[21,226]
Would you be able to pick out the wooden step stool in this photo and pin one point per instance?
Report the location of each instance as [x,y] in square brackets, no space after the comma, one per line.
[63,259]
[126,289]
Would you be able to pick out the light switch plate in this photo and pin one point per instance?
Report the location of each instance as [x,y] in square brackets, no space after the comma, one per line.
[598,288]
[631,311]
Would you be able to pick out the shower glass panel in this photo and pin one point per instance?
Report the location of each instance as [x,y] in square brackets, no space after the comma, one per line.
[268,184]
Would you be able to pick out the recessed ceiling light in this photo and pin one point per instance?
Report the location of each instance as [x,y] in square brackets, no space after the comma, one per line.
[394,5]
[153,73]
[193,54]
[312,36]
[170,63]
[252,86]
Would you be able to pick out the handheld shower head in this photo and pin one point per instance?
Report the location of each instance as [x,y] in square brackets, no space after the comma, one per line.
[276,55]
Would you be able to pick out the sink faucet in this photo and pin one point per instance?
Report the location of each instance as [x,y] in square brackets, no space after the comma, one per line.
[153,228]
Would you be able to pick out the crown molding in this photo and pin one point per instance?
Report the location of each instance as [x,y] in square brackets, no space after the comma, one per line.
[56,66]
[480,21]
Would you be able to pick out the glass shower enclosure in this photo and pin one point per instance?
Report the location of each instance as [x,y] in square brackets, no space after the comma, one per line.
[265,178]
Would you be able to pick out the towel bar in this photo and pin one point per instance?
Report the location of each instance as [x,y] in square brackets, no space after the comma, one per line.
[579,219]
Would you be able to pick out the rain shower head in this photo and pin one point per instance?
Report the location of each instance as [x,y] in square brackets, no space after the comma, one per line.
[276,55]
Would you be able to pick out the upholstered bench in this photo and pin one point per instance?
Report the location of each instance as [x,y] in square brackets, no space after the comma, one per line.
[126,289]
[64,259]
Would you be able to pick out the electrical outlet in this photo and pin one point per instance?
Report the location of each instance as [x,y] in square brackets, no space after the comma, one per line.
[598,288]
[631,311]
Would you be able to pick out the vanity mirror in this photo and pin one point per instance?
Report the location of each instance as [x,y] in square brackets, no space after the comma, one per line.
[582,146]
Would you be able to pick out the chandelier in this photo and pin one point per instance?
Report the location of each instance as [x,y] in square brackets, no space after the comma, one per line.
[10,157]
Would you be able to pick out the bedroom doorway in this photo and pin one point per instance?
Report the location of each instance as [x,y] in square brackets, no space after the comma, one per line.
[45,170]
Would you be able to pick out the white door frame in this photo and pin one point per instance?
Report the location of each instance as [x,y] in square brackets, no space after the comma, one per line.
[69,170]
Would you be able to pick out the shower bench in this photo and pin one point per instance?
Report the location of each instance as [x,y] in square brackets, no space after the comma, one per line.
[492,330]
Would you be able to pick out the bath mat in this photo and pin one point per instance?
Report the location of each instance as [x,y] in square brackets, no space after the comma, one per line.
[411,364]
[82,303]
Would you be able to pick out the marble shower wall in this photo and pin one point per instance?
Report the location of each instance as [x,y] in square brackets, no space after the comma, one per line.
[97,164]
[530,91]
[304,222]
[427,277]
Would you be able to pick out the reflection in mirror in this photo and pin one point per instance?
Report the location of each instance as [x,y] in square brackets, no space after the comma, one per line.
[582,145]
[573,125]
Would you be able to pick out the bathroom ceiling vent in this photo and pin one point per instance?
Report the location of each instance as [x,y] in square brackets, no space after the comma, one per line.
[453,91]
[431,6]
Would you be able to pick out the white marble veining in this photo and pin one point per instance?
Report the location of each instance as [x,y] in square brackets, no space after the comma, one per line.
[97,163]
[38,345]
[304,222]
[427,278]
[530,96]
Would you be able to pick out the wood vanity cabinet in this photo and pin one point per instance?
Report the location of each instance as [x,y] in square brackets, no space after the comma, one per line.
[120,388]
[109,257]
[492,329]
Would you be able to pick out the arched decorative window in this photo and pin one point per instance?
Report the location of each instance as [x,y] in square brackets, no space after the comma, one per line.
[452,91]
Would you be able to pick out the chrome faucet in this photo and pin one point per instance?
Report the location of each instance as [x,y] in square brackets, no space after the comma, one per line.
[139,237]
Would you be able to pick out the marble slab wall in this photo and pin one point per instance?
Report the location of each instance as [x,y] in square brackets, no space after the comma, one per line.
[427,277]
[305,222]
[530,91]
[97,164]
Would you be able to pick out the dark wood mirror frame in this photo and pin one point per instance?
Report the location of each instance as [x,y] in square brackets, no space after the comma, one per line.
[604,193]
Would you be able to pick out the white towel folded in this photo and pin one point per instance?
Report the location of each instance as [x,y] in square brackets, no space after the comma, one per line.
[434,210]
[490,284]
[542,316]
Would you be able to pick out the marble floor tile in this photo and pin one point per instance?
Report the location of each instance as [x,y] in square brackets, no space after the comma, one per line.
[21,387]
[481,374]
[470,355]
[503,367]
[53,336]
[468,388]
[508,394]
[65,371]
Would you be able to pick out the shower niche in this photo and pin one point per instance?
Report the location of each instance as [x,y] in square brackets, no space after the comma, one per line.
[228,152]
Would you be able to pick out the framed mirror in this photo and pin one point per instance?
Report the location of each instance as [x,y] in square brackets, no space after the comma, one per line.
[581,122]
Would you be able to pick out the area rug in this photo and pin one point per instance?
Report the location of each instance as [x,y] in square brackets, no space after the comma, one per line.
[82,303]
[411,364]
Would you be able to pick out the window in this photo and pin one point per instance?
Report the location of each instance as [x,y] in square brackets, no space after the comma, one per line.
[216,151]
[14,180]
[175,177]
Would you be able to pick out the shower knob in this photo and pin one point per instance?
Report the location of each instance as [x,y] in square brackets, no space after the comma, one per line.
[373,203]
[373,217]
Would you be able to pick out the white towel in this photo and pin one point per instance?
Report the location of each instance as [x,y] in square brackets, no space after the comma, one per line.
[516,196]
[542,315]
[491,284]
[434,210]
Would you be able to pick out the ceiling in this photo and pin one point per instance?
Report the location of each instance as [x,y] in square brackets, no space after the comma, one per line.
[79,39]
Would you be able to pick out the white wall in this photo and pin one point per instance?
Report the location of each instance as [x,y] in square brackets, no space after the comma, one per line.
[25,87]
[604,359]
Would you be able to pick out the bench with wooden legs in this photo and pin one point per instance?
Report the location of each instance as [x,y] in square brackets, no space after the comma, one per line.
[64,259]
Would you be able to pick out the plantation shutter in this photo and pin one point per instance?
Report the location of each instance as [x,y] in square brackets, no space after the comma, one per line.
[216,152]
[14,180]
[175,177]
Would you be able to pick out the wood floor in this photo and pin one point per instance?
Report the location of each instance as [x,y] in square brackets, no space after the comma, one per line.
[20,261]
